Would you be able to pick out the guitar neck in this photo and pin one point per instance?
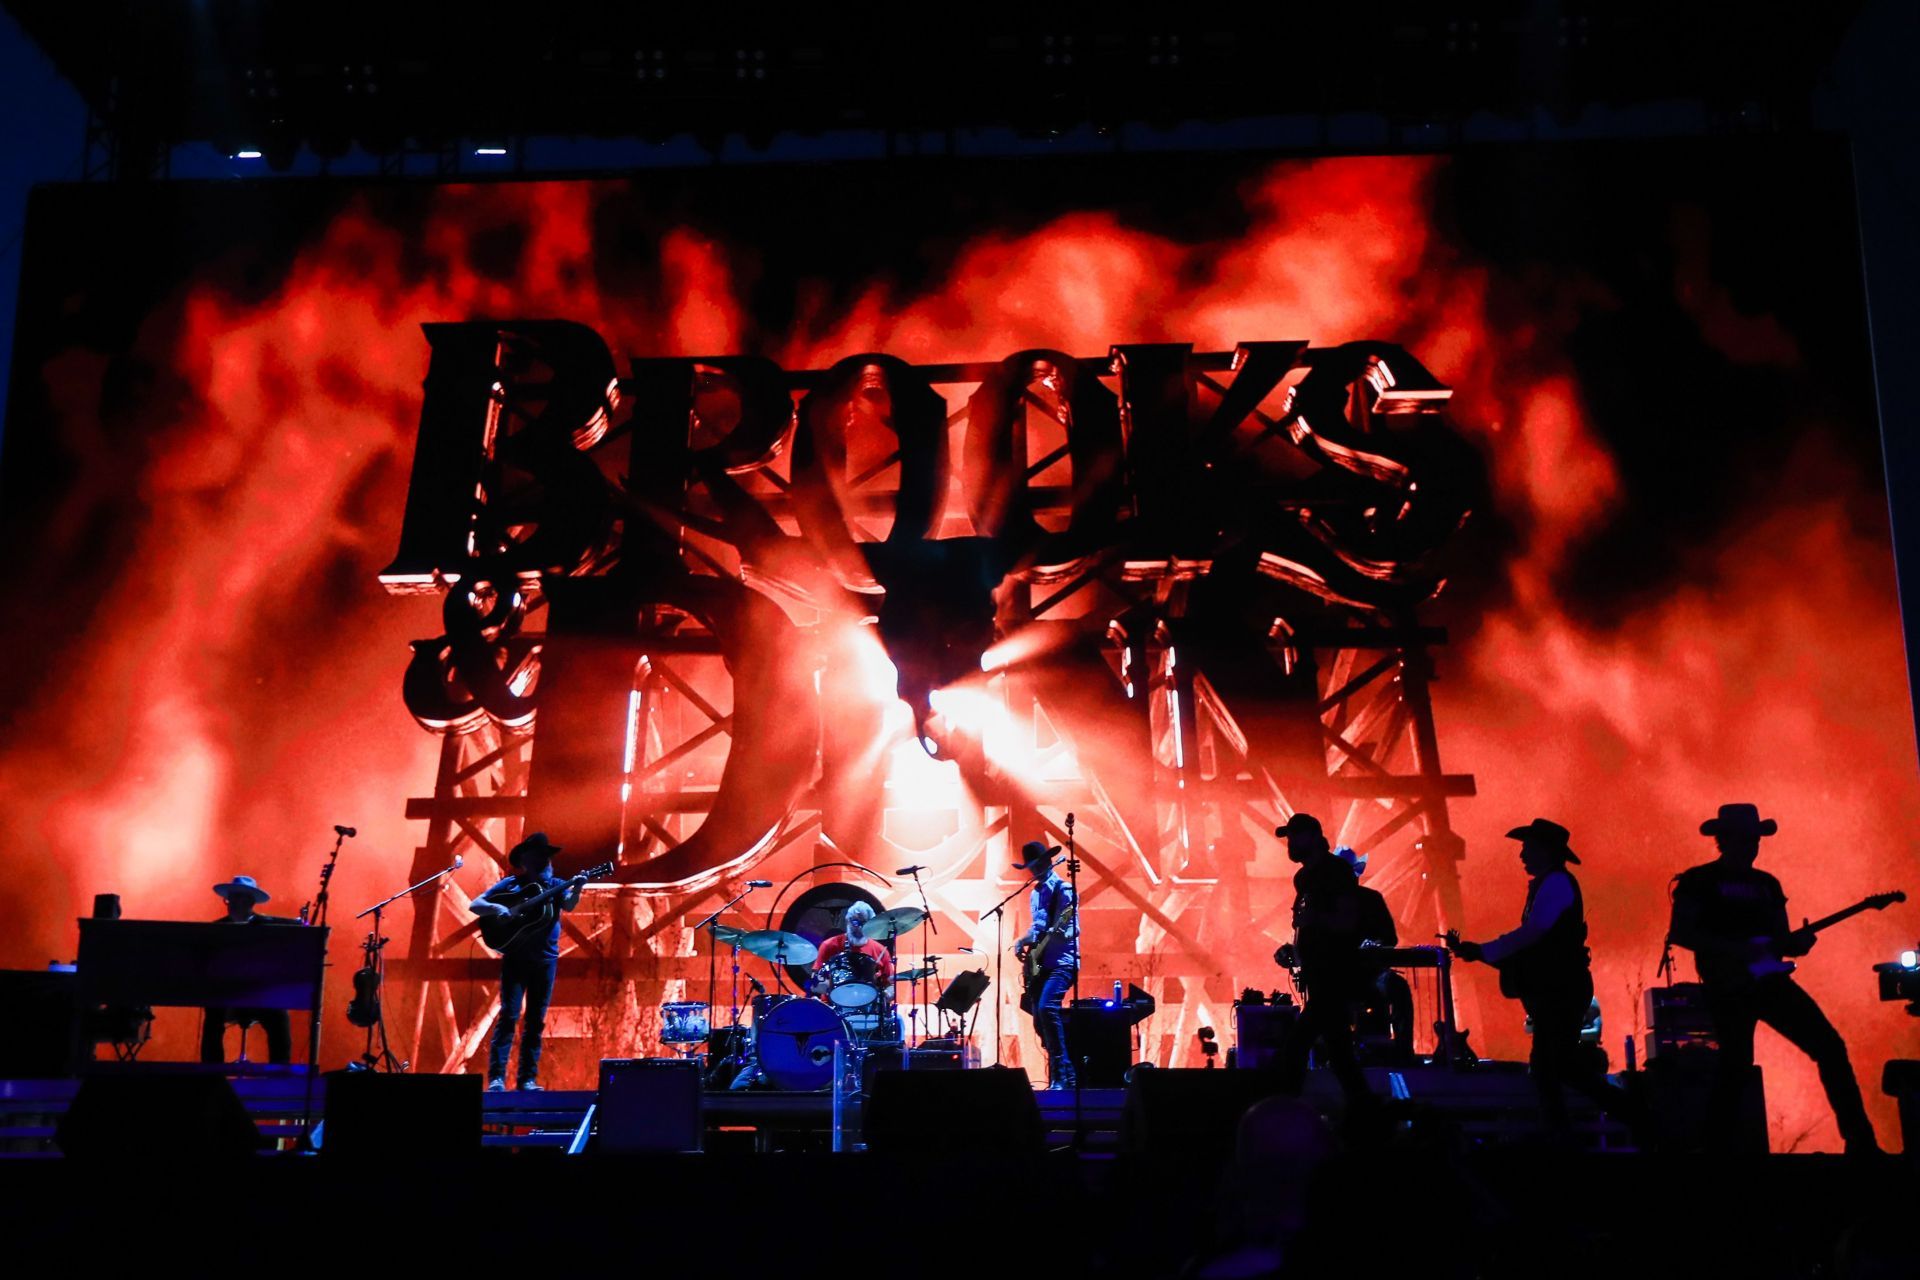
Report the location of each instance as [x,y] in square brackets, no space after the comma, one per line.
[1845,913]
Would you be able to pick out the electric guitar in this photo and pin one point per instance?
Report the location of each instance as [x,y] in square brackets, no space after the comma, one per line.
[1763,958]
[1040,958]
[531,910]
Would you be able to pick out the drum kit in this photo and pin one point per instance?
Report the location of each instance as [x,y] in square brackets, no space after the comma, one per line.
[792,1040]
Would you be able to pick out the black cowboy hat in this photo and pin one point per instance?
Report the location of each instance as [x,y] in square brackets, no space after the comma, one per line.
[1739,820]
[1034,851]
[1545,834]
[536,844]
[1298,825]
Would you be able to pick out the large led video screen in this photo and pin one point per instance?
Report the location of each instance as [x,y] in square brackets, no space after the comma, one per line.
[806,524]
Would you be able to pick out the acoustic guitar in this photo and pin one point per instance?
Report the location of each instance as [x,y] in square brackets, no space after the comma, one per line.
[532,910]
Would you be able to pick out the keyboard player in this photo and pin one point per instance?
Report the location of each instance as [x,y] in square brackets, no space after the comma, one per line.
[1385,997]
[243,895]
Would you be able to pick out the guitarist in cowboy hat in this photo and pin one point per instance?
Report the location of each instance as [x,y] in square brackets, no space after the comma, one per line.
[1719,909]
[1056,932]
[1546,966]
[527,968]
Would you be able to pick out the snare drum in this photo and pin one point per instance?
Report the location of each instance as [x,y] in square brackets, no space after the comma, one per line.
[853,979]
[795,1044]
[683,1022]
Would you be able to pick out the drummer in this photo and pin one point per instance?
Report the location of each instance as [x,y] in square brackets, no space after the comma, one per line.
[854,939]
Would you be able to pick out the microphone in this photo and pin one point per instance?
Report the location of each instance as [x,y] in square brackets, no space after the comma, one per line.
[758,985]
[759,884]
[348,832]
[459,861]
[907,871]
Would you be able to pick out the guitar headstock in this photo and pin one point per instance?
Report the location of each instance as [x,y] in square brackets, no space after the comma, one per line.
[1881,901]
[595,873]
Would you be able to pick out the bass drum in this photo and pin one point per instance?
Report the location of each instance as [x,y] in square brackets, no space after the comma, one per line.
[795,1044]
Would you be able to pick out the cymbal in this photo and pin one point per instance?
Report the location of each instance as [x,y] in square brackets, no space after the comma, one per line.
[913,975]
[726,935]
[891,924]
[779,946]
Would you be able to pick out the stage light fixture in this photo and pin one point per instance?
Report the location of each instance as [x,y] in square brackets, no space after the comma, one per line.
[489,151]
[1910,959]
[246,155]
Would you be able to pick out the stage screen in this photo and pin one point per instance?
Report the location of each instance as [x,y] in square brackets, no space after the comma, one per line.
[810,523]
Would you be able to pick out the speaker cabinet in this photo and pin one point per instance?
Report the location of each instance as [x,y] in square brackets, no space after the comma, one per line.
[647,1105]
[374,1113]
[954,1112]
[1190,1111]
[132,1114]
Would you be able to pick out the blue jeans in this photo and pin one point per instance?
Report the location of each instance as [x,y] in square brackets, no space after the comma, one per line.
[528,978]
[1050,1020]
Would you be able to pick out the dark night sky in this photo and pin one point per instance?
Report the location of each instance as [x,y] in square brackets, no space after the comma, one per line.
[46,123]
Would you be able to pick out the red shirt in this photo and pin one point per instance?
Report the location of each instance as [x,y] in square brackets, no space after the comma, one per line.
[877,951]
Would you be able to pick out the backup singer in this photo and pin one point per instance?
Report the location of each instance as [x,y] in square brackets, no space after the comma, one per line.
[527,968]
[1720,909]
[242,894]
[1055,936]
[1546,966]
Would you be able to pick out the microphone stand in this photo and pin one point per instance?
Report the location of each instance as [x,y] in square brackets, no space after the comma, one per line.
[318,920]
[999,912]
[1079,1067]
[920,983]
[713,958]
[376,943]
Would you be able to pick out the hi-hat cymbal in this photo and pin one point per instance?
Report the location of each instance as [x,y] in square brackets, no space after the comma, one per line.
[779,946]
[891,924]
[913,975]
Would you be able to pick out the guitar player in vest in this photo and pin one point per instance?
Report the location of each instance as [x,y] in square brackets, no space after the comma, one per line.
[1733,917]
[1055,931]
[1546,966]
[527,967]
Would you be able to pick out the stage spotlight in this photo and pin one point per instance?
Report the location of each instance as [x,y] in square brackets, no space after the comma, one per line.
[246,155]
[1910,959]
[489,151]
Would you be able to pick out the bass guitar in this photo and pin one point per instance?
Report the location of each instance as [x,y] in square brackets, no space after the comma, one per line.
[531,910]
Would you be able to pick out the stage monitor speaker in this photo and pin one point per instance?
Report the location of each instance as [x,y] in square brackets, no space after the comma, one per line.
[1680,1094]
[990,1111]
[647,1105]
[41,1011]
[1101,1038]
[132,1114]
[377,1113]
[1189,1111]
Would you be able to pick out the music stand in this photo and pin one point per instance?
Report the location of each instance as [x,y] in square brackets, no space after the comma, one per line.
[962,996]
